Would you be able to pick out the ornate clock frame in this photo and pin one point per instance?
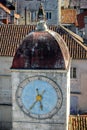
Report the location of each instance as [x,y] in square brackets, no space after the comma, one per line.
[47,86]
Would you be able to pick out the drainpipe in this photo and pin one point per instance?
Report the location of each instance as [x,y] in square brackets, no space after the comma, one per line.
[25,15]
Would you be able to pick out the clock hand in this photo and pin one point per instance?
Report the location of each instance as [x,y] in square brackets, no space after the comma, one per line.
[41,106]
[33,105]
[37,91]
[38,98]
[43,92]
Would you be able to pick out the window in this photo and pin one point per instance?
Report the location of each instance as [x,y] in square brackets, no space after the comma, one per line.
[48,15]
[33,16]
[73,73]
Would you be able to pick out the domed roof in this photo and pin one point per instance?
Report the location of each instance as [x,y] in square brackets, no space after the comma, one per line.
[42,49]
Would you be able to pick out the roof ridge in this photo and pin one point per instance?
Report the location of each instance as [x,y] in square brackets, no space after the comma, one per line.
[8,10]
[5,8]
[76,37]
[72,33]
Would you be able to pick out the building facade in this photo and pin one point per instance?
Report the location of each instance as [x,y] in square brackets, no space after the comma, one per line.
[8,16]
[11,37]
[28,11]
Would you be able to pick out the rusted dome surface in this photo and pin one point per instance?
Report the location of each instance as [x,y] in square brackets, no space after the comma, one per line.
[42,50]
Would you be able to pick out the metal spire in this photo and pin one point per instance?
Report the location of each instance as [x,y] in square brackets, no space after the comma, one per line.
[41,13]
[41,25]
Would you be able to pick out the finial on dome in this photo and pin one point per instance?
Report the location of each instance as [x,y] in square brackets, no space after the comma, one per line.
[41,25]
[41,13]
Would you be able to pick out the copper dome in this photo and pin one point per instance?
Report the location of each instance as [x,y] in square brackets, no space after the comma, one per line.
[42,50]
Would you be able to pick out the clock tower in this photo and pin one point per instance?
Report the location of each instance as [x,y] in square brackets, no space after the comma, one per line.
[40,81]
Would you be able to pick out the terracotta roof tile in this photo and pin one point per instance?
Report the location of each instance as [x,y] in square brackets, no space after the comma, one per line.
[74,42]
[80,19]
[69,16]
[12,36]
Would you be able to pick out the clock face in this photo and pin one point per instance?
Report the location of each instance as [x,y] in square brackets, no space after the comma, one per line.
[39,97]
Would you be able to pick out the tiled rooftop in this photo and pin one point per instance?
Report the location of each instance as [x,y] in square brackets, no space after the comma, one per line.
[11,37]
[74,42]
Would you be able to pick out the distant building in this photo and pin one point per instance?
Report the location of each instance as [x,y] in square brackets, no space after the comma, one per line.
[81,9]
[28,11]
[8,16]
[8,3]
[56,12]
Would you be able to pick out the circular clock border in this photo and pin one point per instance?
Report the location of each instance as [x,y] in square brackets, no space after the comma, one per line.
[52,83]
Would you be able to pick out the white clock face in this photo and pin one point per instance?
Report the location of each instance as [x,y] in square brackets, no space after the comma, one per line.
[39,97]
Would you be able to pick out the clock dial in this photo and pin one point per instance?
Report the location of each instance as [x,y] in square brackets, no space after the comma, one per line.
[39,97]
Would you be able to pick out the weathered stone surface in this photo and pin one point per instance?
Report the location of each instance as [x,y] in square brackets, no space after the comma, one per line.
[59,120]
